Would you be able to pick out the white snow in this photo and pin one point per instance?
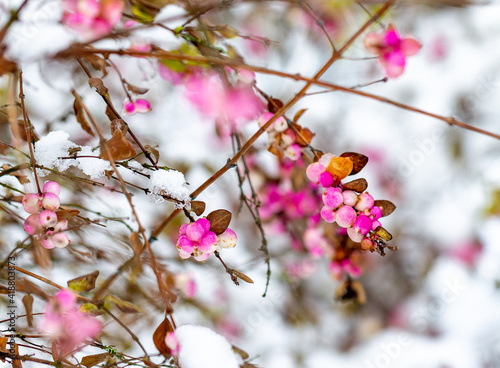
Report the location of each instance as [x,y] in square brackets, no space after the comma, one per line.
[169,183]
[54,145]
[200,347]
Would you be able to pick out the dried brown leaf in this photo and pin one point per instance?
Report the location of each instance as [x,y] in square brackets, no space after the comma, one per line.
[274,105]
[153,151]
[358,161]
[242,276]
[383,233]
[387,207]
[66,214]
[28,305]
[198,207]
[219,220]
[81,117]
[136,243]
[122,305]
[135,89]
[159,337]
[98,84]
[118,146]
[92,360]
[304,137]
[298,114]
[83,283]
[358,185]
[25,286]
[351,290]
[97,62]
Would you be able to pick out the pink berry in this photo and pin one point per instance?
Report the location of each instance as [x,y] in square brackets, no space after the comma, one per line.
[325,159]
[227,239]
[288,137]
[50,201]
[264,118]
[47,218]
[354,235]
[366,244]
[32,203]
[142,105]
[208,243]
[328,214]
[280,125]
[314,171]
[363,225]
[345,216]
[32,224]
[365,202]
[60,240]
[332,197]
[350,197]
[47,243]
[51,187]
[61,225]
[376,224]
[293,152]
[325,179]
[375,213]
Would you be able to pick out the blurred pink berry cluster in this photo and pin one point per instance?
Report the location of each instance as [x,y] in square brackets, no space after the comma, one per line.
[391,49]
[197,240]
[281,135]
[355,212]
[140,105]
[66,326]
[43,221]
[92,18]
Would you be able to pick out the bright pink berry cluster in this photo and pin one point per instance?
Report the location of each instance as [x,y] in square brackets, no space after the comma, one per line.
[140,105]
[352,211]
[43,221]
[283,135]
[197,240]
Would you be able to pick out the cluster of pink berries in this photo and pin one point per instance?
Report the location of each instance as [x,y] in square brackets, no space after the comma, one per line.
[355,212]
[43,221]
[281,137]
[197,240]
[140,105]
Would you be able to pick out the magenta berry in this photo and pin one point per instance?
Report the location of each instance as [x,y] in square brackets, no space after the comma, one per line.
[314,171]
[47,218]
[365,202]
[50,201]
[363,225]
[325,179]
[51,187]
[328,214]
[345,216]
[375,213]
[293,152]
[32,203]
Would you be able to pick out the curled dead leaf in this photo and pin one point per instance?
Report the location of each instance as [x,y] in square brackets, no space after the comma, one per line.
[358,185]
[387,207]
[358,161]
[219,220]
[159,337]
[98,84]
[198,207]
[119,147]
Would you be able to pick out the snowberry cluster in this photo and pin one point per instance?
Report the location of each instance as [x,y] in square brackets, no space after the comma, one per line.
[43,221]
[355,212]
[140,105]
[197,240]
[281,137]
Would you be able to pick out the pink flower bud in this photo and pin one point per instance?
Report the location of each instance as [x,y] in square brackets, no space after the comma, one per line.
[47,218]
[325,179]
[50,201]
[32,224]
[333,198]
[365,202]
[345,216]
[227,239]
[32,203]
[350,197]
[51,187]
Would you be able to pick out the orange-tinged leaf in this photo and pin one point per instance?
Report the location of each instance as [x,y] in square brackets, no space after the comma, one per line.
[383,233]
[83,283]
[118,146]
[358,160]
[159,337]
[65,214]
[304,137]
[340,167]
[136,243]
[219,220]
